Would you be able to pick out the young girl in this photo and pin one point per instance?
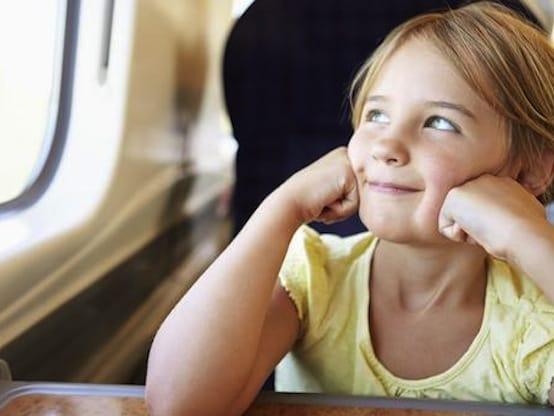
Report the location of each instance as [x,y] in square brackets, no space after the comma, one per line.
[448,295]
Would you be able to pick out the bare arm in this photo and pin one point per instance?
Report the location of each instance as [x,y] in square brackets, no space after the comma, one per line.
[216,347]
[205,350]
[507,220]
[534,255]
[280,331]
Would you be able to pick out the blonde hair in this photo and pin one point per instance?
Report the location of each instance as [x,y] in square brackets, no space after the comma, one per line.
[505,59]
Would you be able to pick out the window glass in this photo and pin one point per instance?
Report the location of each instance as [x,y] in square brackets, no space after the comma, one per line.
[240,6]
[29,73]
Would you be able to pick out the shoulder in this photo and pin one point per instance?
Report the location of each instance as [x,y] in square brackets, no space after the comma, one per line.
[312,267]
[310,247]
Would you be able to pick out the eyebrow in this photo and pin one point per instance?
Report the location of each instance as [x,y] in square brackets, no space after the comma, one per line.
[441,104]
[376,98]
[452,106]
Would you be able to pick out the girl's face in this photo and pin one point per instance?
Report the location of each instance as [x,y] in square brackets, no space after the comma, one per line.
[424,129]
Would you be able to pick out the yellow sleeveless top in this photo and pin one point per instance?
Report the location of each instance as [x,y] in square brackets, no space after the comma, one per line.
[511,359]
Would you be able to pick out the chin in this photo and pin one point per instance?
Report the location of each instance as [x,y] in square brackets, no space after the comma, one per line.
[399,230]
[387,229]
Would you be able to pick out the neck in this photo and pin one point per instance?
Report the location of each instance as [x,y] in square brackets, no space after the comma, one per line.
[420,278]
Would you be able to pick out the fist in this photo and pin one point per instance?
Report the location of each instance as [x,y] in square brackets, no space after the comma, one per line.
[490,211]
[324,191]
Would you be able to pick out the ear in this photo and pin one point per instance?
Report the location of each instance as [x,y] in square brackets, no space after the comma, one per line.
[537,178]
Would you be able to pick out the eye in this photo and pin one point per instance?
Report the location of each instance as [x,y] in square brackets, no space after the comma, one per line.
[441,123]
[376,116]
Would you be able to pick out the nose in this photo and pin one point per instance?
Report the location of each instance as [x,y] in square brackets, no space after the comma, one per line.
[390,151]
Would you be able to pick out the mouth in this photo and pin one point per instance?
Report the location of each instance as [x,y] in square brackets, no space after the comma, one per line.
[390,188]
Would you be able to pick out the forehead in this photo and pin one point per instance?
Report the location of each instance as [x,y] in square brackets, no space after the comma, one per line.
[418,71]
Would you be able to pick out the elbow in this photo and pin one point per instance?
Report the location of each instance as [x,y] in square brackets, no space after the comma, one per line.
[161,392]
[161,402]
[178,393]
[160,405]
[157,401]
[164,398]
[161,395]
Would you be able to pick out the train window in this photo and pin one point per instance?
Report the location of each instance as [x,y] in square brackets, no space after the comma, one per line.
[30,41]
[240,6]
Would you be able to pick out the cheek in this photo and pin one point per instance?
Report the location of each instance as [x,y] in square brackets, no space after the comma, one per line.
[357,155]
[356,152]
[440,176]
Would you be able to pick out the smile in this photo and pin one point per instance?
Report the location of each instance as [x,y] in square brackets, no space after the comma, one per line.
[390,188]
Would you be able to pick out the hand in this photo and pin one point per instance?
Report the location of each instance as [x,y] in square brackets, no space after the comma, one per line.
[489,211]
[324,191]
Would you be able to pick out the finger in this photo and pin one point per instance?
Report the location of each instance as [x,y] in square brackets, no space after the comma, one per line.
[454,232]
[460,234]
[445,224]
[350,201]
[349,205]
[448,225]
[329,215]
[346,206]
[338,210]
[325,216]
